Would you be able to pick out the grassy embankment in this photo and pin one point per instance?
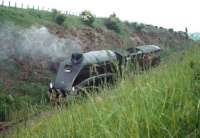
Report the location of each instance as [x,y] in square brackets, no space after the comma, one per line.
[164,102]
[28,17]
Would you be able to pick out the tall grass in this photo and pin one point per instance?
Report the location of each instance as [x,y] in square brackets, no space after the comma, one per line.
[20,101]
[163,102]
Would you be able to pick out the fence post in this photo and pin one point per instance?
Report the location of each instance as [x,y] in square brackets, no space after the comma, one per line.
[2,3]
[9,4]
[33,7]
[15,5]
[27,6]
[38,8]
[22,5]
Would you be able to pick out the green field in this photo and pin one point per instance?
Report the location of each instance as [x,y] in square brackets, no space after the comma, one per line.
[162,102]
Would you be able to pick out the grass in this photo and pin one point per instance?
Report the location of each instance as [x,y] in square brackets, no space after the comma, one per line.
[29,17]
[16,103]
[24,17]
[163,102]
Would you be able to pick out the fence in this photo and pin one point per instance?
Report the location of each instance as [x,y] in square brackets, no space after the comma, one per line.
[4,3]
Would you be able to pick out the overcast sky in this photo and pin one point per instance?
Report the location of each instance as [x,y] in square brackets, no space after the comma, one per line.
[176,14]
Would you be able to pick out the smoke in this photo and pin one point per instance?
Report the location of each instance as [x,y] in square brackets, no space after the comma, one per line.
[35,43]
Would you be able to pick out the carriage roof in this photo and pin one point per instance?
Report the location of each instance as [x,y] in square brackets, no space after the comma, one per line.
[148,48]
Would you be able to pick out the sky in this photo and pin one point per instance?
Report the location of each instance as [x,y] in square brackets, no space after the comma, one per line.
[176,14]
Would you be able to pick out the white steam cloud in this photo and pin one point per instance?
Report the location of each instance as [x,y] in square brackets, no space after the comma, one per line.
[35,43]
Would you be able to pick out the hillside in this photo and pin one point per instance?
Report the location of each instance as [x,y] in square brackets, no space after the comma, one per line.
[32,44]
[97,36]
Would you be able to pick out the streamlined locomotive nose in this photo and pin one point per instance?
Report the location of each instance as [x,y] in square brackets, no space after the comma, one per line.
[66,75]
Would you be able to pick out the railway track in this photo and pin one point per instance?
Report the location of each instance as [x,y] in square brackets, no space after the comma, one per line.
[4,126]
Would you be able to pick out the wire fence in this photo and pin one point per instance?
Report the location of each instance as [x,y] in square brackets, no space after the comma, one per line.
[4,3]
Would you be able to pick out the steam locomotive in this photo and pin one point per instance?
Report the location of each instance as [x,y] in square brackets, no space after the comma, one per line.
[92,69]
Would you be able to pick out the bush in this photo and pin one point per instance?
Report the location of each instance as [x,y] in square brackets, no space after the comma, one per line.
[139,27]
[113,23]
[87,17]
[171,30]
[6,105]
[59,19]
[54,13]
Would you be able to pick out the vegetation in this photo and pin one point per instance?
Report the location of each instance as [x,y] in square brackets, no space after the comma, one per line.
[163,102]
[59,19]
[171,30]
[54,13]
[87,18]
[17,101]
[139,27]
[113,23]
[24,17]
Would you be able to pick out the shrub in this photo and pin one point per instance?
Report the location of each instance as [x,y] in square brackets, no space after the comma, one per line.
[127,23]
[171,30]
[54,13]
[113,23]
[87,17]
[134,24]
[59,19]
[139,27]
